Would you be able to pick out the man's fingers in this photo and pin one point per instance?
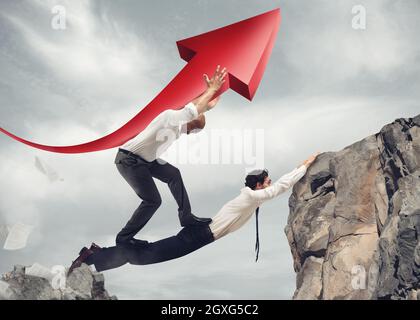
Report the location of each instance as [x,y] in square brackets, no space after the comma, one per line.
[206,78]
[219,72]
[218,77]
[216,72]
[222,72]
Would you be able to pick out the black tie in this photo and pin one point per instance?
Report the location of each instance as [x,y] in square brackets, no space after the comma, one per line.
[257,242]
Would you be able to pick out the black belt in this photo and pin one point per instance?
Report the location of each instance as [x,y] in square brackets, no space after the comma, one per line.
[126,152]
[129,153]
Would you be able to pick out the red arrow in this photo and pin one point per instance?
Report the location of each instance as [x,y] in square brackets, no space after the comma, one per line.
[243,48]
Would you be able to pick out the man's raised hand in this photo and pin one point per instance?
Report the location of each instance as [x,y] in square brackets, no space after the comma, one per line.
[308,162]
[218,79]
[206,101]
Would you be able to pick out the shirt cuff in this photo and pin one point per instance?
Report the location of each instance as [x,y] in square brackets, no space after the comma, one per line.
[192,109]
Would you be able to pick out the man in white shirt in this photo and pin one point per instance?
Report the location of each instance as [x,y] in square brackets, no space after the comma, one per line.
[138,161]
[233,215]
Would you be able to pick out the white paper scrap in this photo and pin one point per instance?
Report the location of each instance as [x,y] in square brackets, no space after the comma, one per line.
[18,236]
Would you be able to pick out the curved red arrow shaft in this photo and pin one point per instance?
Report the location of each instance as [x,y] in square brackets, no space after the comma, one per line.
[173,96]
[244,48]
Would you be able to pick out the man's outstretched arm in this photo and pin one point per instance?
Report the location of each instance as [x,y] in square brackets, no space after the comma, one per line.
[284,183]
[205,102]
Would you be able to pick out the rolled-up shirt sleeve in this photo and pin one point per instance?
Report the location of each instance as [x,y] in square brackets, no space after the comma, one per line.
[281,185]
[181,116]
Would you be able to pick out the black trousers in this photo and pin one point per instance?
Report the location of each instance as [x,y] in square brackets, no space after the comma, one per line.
[189,239]
[139,174]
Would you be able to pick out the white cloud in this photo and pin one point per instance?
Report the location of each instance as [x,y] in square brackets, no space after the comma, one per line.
[326,49]
[95,68]
[91,48]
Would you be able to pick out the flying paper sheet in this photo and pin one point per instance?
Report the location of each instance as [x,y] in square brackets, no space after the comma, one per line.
[18,236]
[45,169]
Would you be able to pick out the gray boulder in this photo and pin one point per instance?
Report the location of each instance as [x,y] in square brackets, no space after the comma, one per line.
[82,284]
[354,219]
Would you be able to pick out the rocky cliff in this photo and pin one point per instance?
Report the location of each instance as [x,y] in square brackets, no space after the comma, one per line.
[82,284]
[354,219]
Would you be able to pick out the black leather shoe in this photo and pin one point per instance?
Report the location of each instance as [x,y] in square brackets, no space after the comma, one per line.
[132,242]
[83,255]
[192,220]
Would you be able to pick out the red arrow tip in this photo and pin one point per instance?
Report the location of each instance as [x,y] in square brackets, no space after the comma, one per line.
[243,48]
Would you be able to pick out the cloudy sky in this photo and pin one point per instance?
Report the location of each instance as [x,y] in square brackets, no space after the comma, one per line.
[326,86]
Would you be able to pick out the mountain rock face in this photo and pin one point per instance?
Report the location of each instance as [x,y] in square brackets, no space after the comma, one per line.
[82,284]
[354,222]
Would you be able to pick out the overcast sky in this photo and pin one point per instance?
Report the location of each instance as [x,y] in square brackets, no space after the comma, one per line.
[326,86]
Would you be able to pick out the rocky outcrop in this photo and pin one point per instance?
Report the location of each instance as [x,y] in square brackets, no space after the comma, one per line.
[354,219]
[82,284]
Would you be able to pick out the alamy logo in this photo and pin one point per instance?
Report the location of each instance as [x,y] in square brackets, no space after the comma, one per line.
[358,281]
[59,277]
[215,146]
[362,279]
[359,19]
[58,21]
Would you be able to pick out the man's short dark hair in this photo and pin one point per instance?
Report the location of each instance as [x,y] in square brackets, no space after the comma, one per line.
[254,177]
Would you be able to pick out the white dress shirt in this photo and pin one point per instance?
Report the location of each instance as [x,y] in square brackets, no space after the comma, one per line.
[161,133]
[238,211]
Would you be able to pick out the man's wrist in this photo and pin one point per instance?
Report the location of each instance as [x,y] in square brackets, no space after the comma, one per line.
[211,90]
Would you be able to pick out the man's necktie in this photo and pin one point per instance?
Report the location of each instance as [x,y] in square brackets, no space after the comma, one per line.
[257,242]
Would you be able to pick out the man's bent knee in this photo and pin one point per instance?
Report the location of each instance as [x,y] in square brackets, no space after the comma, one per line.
[154,202]
[175,174]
